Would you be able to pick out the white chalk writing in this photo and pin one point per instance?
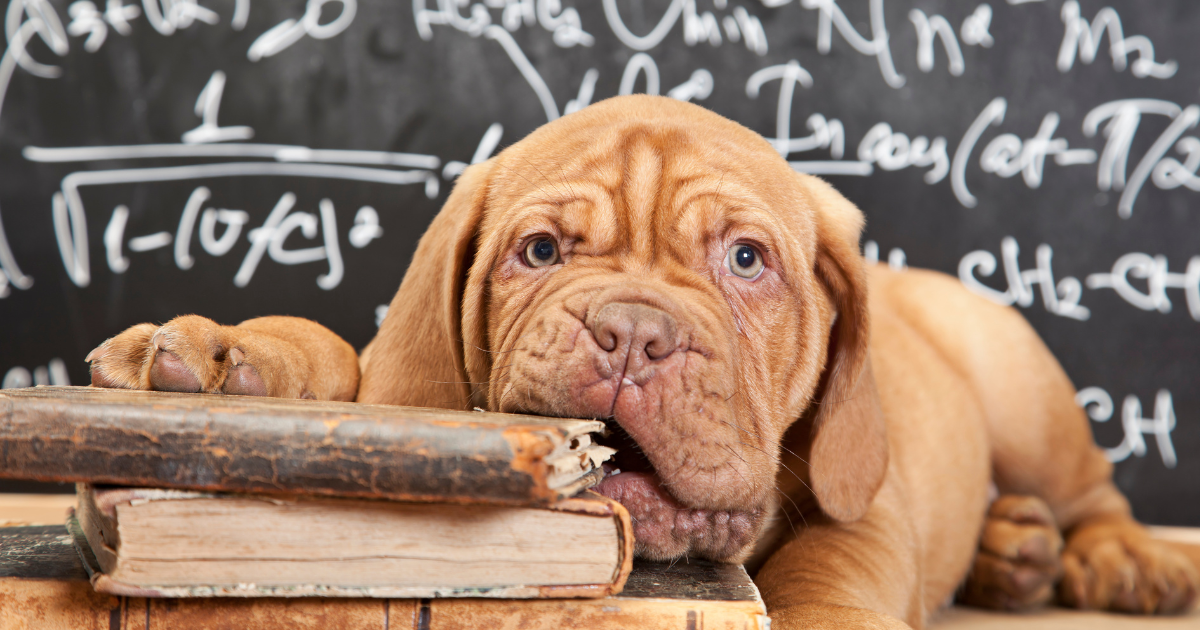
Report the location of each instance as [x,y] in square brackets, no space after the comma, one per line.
[893,151]
[288,32]
[1083,39]
[1099,407]
[929,27]
[896,259]
[53,373]
[830,16]
[1061,298]
[1154,270]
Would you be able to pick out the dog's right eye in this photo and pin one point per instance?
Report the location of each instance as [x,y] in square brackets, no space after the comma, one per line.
[744,261]
[541,252]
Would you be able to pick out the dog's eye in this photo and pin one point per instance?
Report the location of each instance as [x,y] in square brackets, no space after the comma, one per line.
[541,252]
[745,261]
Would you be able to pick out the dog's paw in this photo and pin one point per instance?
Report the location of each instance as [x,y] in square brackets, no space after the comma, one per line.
[268,356]
[1116,565]
[1018,560]
[183,355]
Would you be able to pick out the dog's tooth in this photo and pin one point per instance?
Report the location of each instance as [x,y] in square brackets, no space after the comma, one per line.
[236,356]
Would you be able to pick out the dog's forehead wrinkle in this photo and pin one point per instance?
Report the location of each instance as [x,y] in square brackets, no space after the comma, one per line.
[641,193]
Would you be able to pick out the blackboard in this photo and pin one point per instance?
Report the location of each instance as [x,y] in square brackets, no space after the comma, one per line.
[236,158]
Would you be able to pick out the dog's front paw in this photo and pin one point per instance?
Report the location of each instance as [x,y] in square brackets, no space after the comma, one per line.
[1018,559]
[285,357]
[187,354]
[1116,565]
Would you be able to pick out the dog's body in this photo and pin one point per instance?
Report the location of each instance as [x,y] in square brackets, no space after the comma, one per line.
[650,262]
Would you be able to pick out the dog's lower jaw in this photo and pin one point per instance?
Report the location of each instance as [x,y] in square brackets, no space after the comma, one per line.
[664,529]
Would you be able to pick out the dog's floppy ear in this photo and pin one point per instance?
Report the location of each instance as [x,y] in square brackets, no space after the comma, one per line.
[417,357]
[849,453]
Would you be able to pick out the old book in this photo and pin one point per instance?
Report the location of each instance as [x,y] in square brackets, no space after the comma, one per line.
[271,445]
[181,543]
[43,584]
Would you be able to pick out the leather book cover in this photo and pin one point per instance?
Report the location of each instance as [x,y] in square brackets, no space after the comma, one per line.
[44,585]
[272,445]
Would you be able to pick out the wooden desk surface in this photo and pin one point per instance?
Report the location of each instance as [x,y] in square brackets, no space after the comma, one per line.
[34,509]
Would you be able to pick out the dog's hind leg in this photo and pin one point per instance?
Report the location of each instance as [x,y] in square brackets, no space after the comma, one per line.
[286,357]
[1041,445]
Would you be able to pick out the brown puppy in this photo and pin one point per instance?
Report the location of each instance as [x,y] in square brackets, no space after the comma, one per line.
[649,262]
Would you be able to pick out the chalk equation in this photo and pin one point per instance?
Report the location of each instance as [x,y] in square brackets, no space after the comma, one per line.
[1134,426]
[70,218]
[1063,297]
[1170,163]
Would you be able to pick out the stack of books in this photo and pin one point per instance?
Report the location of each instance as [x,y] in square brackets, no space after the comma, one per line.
[223,504]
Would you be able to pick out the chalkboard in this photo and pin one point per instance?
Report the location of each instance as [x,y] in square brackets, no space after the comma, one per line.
[237,158]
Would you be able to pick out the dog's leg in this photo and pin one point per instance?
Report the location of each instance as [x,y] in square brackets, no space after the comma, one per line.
[864,574]
[1110,562]
[1017,564]
[1042,446]
[286,357]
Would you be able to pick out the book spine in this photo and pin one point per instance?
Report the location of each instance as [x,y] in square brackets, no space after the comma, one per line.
[149,439]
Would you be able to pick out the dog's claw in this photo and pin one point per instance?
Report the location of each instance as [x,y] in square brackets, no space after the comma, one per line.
[97,353]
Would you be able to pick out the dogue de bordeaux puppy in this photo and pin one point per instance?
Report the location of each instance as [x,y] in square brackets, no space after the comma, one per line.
[777,401]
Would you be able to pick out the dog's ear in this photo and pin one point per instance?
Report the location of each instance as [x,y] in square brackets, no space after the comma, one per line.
[849,454]
[417,357]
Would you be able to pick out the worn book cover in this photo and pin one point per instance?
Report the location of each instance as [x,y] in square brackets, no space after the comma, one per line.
[272,445]
[151,542]
[43,584]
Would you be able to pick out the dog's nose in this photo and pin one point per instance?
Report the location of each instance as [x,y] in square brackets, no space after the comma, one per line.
[643,329]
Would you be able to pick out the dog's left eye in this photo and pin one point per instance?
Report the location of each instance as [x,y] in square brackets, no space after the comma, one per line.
[541,252]
[744,261]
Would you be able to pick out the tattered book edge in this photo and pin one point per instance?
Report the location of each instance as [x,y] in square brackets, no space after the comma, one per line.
[109,497]
[596,504]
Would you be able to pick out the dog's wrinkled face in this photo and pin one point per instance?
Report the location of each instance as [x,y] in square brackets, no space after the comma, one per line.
[656,271]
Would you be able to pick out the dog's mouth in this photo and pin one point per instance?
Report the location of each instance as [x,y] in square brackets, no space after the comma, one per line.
[663,527]
[629,457]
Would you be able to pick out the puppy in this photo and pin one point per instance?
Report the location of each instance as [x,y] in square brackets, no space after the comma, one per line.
[775,400]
